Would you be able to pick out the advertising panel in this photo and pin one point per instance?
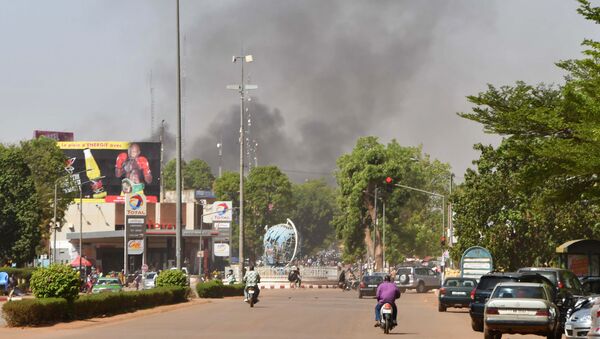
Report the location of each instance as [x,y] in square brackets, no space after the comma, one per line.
[218,212]
[58,136]
[135,247]
[221,249]
[104,165]
[135,216]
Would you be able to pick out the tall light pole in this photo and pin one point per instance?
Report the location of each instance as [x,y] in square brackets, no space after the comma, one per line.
[55,226]
[242,89]
[178,230]
[220,148]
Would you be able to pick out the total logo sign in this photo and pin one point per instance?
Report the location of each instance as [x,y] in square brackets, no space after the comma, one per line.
[221,211]
[135,204]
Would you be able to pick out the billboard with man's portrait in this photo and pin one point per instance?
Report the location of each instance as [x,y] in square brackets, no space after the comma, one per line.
[103,166]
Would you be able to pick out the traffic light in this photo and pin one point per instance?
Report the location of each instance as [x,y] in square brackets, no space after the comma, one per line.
[389,180]
[443,241]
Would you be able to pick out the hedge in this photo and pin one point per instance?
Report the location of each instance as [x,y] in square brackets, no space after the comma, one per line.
[216,289]
[30,312]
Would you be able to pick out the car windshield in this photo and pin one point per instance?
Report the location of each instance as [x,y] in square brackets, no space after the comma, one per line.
[523,292]
[150,275]
[460,283]
[546,274]
[108,282]
[488,283]
[372,279]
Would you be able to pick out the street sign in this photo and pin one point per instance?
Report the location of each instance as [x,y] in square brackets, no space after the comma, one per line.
[475,262]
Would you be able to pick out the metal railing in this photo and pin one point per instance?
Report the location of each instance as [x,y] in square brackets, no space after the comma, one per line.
[309,273]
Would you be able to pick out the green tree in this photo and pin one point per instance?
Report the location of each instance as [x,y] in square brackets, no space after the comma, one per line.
[412,218]
[314,205]
[46,162]
[195,175]
[267,201]
[20,208]
[542,179]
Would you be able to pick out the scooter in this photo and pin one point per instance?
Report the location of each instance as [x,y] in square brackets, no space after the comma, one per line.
[386,321]
[252,296]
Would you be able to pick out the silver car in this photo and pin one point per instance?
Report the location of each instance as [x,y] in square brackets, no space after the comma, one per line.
[595,315]
[422,279]
[579,323]
[523,308]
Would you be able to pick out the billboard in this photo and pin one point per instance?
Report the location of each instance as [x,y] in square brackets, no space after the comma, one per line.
[104,164]
[58,136]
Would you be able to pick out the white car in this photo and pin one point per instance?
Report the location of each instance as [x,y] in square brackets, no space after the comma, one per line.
[523,308]
[595,330]
[150,281]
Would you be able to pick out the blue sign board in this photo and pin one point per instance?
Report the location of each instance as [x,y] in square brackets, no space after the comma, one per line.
[475,262]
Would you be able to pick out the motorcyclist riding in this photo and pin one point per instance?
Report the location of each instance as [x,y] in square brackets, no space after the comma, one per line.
[252,278]
[387,292]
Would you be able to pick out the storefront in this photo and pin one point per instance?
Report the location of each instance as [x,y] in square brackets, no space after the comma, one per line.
[581,256]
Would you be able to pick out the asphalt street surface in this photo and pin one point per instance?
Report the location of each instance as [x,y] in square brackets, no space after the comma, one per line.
[288,314]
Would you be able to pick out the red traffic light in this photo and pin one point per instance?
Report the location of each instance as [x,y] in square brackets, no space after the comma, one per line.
[388,180]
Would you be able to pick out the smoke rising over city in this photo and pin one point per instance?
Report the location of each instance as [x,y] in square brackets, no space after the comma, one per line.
[328,72]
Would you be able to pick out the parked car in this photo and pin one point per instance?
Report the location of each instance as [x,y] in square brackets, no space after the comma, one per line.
[487,283]
[595,320]
[368,285]
[522,308]
[421,279]
[455,292]
[150,281]
[107,284]
[567,288]
[579,319]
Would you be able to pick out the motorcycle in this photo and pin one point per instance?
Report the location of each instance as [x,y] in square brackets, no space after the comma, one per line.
[386,321]
[252,296]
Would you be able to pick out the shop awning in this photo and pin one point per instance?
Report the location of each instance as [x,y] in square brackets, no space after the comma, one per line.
[579,246]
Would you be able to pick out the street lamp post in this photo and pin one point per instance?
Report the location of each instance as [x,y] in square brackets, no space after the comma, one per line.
[220,148]
[55,225]
[242,89]
[178,230]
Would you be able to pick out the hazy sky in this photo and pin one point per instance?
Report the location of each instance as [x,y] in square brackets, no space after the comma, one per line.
[328,71]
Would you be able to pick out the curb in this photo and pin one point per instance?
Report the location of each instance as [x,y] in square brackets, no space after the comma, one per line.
[288,286]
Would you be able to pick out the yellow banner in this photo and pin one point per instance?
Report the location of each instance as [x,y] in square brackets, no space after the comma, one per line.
[93,144]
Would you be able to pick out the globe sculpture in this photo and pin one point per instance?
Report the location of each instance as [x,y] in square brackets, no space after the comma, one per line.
[281,244]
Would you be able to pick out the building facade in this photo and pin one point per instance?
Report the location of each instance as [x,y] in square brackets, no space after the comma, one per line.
[102,234]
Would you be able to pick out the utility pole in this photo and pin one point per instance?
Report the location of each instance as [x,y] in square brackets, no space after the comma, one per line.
[178,230]
[162,165]
[375,229]
[242,89]
[383,228]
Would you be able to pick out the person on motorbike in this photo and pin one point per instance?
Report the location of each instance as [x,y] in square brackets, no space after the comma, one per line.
[230,278]
[387,293]
[251,278]
[342,279]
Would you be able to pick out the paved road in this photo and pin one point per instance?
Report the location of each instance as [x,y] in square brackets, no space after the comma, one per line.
[287,314]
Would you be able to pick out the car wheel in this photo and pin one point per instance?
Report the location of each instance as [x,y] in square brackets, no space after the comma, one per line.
[421,287]
[441,307]
[556,334]
[487,334]
[476,325]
